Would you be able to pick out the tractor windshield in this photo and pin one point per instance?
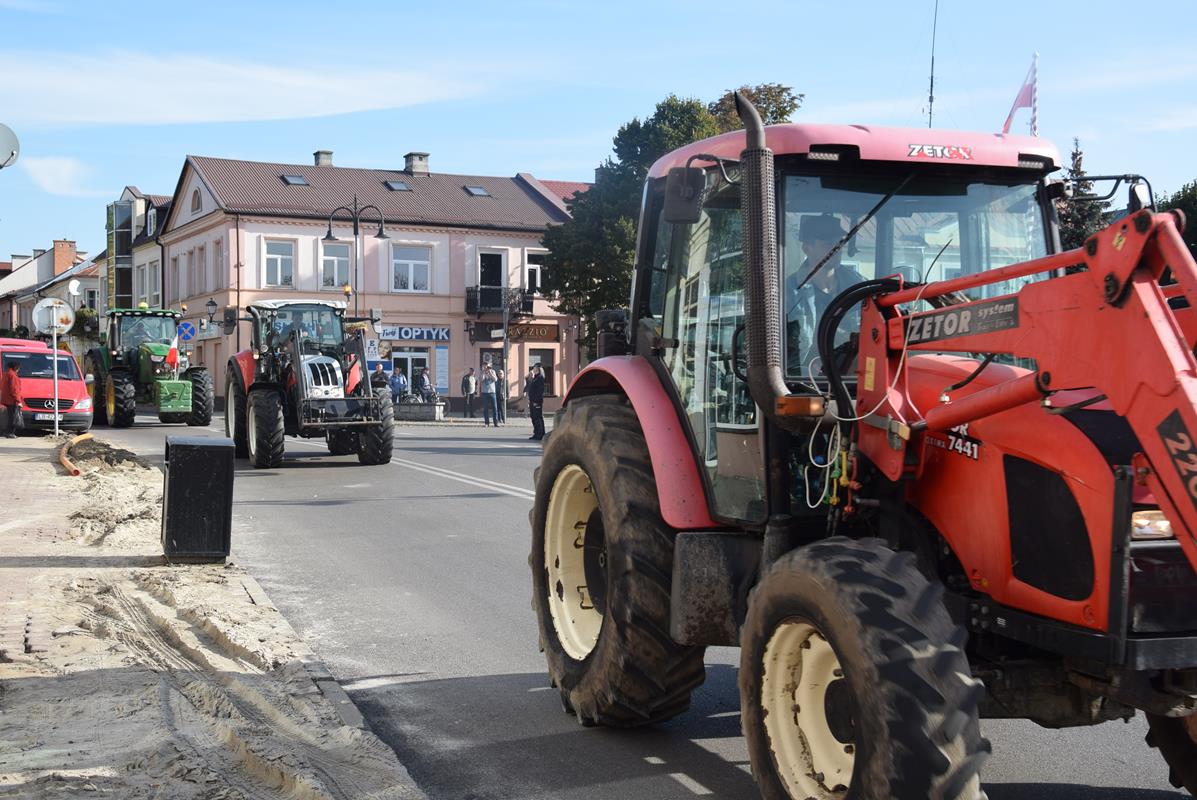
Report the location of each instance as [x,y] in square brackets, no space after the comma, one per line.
[318,323]
[133,331]
[932,228]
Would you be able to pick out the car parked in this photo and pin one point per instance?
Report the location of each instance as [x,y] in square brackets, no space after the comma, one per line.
[36,362]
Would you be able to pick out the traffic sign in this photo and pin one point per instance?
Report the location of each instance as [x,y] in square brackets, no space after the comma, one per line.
[186,331]
[52,315]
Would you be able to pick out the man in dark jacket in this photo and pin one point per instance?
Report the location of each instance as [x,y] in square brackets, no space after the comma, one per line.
[469,388]
[534,389]
[11,397]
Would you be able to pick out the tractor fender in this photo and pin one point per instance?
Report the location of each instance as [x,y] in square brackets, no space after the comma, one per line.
[680,489]
[242,365]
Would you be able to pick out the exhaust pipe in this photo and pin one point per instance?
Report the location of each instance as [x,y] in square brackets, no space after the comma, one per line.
[762,278]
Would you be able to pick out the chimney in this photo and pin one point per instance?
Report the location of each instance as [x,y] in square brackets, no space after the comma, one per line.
[64,255]
[416,163]
[38,252]
[323,158]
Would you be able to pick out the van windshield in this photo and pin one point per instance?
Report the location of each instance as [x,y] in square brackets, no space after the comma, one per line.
[39,365]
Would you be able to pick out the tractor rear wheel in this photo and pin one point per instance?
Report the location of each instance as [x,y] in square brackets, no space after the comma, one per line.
[1176,738]
[342,442]
[234,415]
[202,398]
[96,390]
[853,682]
[601,563]
[378,441]
[264,429]
[172,416]
[120,404]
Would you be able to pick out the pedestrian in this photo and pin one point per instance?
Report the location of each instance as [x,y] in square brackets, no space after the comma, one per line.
[489,410]
[378,378]
[11,398]
[424,386]
[469,388]
[501,397]
[534,389]
[398,385]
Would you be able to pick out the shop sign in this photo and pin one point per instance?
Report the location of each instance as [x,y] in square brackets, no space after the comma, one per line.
[416,333]
[521,332]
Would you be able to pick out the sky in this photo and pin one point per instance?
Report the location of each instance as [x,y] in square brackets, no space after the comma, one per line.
[107,94]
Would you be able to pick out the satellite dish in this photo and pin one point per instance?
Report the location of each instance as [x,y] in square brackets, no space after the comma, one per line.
[73,287]
[53,314]
[10,148]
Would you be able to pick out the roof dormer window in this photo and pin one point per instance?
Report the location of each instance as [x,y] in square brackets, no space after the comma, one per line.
[197,203]
[397,186]
[151,221]
[294,180]
[477,191]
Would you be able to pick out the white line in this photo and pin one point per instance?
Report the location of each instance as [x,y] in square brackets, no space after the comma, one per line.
[514,491]
[691,784]
[654,759]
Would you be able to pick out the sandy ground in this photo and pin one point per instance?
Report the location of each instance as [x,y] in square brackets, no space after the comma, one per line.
[126,677]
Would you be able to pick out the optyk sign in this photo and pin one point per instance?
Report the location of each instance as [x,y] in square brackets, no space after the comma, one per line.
[416,333]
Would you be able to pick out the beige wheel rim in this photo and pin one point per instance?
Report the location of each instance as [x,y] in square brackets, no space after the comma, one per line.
[251,428]
[802,718]
[110,398]
[230,413]
[575,618]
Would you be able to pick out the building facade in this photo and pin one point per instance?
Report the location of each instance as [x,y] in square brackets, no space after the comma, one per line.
[17,288]
[462,254]
[131,273]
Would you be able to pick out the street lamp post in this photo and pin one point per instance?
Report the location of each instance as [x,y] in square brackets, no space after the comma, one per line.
[355,214]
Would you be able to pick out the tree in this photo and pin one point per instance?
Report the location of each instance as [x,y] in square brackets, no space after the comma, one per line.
[590,259]
[1080,219]
[775,102]
[1186,201]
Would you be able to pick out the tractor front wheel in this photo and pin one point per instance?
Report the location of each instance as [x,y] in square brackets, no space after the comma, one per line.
[234,415]
[853,681]
[1176,738]
[202,398]
[378,441]
[601,563]
[120,402]
[341,442]
[264,431]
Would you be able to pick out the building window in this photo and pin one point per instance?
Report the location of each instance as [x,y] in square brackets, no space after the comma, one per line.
[410,268]
[477,191]
[186,281]
[201,270]
[173,288]
[141,285]
[197,204]
[545,359]
[151,221]
[153,278]
[220,270]
[491,270]
[334,266]
[294,180]
[397,186]
[91,299]
[280,263]
[533,272]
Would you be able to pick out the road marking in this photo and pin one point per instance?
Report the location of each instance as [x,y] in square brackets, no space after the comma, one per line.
[691,784]
[514,491]
[540,689]
[654,759]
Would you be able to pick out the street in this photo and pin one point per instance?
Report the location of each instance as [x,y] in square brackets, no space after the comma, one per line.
[411,582]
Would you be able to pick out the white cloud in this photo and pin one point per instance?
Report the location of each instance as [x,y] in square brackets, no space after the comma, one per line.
[71,89]
[1177,119]
[60,175]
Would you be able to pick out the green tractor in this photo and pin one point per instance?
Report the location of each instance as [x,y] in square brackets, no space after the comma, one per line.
[141,363]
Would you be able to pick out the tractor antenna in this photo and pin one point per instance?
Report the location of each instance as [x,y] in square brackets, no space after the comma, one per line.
[931,91]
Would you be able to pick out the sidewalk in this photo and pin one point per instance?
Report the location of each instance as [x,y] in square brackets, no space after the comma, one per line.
[122,676]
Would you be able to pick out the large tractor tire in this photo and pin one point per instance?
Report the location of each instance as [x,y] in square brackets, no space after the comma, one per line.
[203,396]
[120,401]
[264,429]
[853,681]
[601,563]
[172,417]
[96,390]
[1176,738]
[342,442]
[378,441]
[234,415]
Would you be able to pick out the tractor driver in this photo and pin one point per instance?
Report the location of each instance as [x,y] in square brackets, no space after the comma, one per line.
[818,235]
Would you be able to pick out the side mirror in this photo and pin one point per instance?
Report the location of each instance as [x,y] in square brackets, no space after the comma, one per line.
[1140,198]
[684,189]
[229,323]
[89,378]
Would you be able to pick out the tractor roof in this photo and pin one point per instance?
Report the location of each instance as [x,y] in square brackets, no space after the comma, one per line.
[912,145]
[145,312]
[274,305]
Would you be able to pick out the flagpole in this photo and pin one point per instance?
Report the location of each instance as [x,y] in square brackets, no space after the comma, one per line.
[931,91]
[1035,95]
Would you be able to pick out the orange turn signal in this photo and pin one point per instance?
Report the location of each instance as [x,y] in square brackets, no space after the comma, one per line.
[798,405]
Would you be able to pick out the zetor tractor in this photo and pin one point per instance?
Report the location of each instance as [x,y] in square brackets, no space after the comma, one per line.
[867,421]
[303,376]
[141,363]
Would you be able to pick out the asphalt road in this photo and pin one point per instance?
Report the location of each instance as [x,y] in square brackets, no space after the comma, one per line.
[411,581]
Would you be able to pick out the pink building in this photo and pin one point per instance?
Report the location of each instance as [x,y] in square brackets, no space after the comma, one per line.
[457,249]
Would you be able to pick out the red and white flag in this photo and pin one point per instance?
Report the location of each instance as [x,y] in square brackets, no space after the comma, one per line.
[1028,97]
[172,355]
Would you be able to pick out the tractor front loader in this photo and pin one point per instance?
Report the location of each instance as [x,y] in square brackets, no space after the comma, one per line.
[866,420]
[303,375]
[140,363]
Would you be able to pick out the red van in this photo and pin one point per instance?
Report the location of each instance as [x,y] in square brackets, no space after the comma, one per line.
[37,385]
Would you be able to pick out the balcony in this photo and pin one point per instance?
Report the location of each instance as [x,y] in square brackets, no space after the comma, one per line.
[491,299]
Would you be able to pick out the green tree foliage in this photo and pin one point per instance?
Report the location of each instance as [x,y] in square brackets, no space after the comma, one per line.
[1080,219]
[775,102]
[590,260]
[1186,201]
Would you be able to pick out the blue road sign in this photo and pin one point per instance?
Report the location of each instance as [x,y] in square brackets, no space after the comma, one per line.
[186,331]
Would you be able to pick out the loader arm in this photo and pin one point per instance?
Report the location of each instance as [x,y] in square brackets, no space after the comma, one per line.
[1108,327]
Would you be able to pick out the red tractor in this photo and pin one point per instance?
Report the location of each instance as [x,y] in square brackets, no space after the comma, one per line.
[865,419]
[303,375]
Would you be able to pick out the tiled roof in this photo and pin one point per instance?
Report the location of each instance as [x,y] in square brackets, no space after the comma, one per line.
[162,205]
[254,187]
[565,189]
